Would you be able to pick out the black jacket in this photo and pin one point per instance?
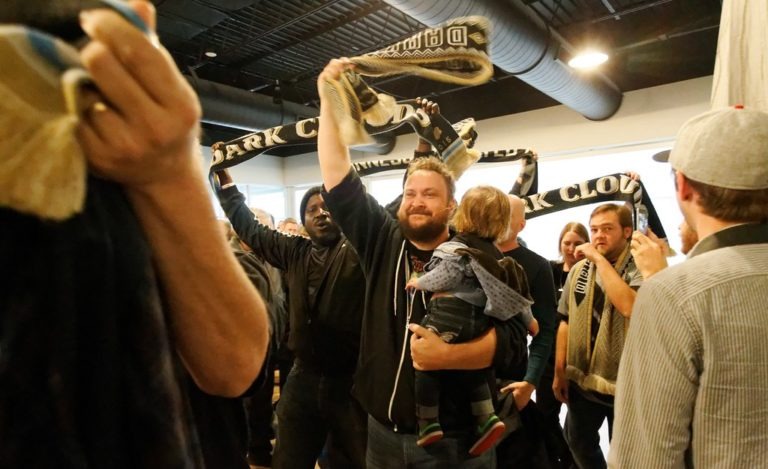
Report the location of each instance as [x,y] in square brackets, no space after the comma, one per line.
[383,252]
[325,336]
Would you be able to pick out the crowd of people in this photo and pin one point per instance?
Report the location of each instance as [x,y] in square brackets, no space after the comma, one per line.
[429,337]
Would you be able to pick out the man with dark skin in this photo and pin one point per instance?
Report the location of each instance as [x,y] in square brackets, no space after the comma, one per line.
[324,279]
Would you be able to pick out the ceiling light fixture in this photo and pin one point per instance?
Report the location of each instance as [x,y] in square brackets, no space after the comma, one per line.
[211,53]
[588,60]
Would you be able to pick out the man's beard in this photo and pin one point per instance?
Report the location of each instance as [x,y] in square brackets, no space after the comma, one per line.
[613,253]
[426,232]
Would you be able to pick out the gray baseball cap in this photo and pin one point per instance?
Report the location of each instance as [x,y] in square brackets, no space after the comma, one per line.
[726,147]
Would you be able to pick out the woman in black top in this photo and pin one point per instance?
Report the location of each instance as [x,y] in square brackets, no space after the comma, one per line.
[573,234]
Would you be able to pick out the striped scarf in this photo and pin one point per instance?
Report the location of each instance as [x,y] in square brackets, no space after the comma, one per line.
[594,369]
[455,52]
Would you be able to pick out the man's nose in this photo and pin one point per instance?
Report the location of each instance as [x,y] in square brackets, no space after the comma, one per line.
[418,201]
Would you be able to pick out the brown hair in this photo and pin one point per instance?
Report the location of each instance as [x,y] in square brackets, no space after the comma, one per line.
[621,211]
[732,205]
[433,164]
[484,211]
[575,227]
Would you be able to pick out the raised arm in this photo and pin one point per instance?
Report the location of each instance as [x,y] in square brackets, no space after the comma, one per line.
[333,155]
[277,249]
[619,293]
[143,134]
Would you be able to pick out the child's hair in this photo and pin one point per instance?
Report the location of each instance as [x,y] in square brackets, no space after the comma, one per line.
[484,211]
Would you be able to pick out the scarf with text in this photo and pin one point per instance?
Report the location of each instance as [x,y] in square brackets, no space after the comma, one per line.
[613,187]
[595,367]
[455,52]
[452,141]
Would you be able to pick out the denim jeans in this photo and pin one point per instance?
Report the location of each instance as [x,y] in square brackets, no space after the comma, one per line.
[390,450]
[455,321]
[554,440]
[582,424]
[312,408]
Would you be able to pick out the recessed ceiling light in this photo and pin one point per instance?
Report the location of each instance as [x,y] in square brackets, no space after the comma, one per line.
[588,59]
[210,53]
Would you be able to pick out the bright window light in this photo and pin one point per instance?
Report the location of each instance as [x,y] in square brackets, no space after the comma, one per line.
[588,60]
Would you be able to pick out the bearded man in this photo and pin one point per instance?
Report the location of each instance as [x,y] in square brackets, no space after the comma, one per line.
[596,304]
[392,344]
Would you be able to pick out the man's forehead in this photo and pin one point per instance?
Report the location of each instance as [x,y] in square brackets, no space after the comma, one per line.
[424,179]
[605,218]
[315,199]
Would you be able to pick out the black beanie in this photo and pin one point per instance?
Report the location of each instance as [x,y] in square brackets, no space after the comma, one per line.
[305,200]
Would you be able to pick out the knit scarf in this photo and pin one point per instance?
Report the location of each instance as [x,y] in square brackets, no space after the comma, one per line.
[453,142]
[525,183]
[43,170]
[455,52]
[613,187]
[594,369]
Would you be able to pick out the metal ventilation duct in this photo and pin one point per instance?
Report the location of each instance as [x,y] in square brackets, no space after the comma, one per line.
[232,107]
[240,109]
[521,47]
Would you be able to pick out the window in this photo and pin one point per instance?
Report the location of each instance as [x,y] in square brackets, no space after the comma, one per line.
[267,198]
[541,233]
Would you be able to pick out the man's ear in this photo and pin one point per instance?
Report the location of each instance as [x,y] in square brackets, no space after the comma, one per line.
[683,190]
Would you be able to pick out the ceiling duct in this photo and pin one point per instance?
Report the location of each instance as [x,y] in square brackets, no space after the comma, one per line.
[236,108]
[228,106]
[520,47]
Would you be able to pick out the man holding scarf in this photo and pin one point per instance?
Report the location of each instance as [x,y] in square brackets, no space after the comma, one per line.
[596,304]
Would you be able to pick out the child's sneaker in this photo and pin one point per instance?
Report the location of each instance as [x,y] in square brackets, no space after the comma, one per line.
[489,432]
[429,433]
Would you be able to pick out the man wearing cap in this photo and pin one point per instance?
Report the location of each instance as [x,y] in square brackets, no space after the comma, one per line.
[692,384]
[325,301]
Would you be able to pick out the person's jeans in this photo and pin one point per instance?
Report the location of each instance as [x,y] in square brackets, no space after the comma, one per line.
[557,448]
[387,450]
[582,424]
[455,321]
[524,447]
[259,410]
[311,408]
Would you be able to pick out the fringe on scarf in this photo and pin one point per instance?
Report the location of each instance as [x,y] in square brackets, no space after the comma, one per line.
[455,52]
[43,171]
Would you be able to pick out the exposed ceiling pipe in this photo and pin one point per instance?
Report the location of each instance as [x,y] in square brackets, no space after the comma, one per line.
[519,46]
[236,108]
[240,109]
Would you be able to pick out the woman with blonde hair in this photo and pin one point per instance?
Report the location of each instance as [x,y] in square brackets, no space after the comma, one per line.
[473,283]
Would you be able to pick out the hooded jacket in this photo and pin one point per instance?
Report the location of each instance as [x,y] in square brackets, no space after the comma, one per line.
[384,383]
